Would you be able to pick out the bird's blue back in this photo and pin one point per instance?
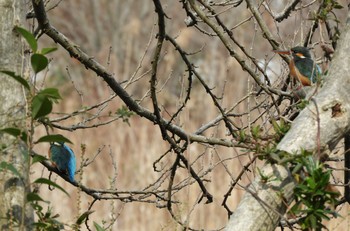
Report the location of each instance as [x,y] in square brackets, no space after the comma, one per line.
[308,68]
[63,157]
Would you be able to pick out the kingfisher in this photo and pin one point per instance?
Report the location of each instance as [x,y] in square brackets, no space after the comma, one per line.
[301,66]
[63,159]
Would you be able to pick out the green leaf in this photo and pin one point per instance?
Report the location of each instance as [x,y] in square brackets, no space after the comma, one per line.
[29,37]
[54,138]
[311,183]
[16,133]
[275,125]
[98,227]
[313,221]
[242,136]
[39,62]
[47,50]
[275,157]
[41,225]
[83,217]
[38,158]
[256,131]
[338,6]
[125,114]
[34,197]
[51,93]
[12,131]
[8,166]
[37,207]
[50,183]
[18,78]
[41,106]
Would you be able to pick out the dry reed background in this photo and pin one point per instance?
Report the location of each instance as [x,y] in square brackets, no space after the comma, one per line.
[119,34]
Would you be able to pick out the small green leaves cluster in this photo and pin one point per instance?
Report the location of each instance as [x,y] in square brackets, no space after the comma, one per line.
[313,195]
[314,198]
[46,220]
[302,104]
[264,145]
[280,128]
[124,114]
[42,101]
[327,13]
[328,7]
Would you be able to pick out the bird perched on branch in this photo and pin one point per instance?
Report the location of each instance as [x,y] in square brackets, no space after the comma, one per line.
[63,159]
[301,66]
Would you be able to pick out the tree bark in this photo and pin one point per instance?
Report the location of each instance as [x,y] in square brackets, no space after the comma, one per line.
[15,214]
[265,201]
[320,125]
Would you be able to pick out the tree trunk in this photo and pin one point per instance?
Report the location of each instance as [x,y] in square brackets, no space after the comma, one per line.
[15,214]
[320,125]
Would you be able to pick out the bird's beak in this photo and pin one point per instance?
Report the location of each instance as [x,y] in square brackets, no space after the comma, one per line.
[282,52]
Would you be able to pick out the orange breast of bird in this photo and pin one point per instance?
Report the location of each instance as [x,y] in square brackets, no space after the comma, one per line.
[53,164]
[297,75]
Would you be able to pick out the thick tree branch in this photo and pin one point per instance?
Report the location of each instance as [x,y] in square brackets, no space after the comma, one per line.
[286,12]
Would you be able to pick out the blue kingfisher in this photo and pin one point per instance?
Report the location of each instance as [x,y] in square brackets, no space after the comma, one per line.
[301,66]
